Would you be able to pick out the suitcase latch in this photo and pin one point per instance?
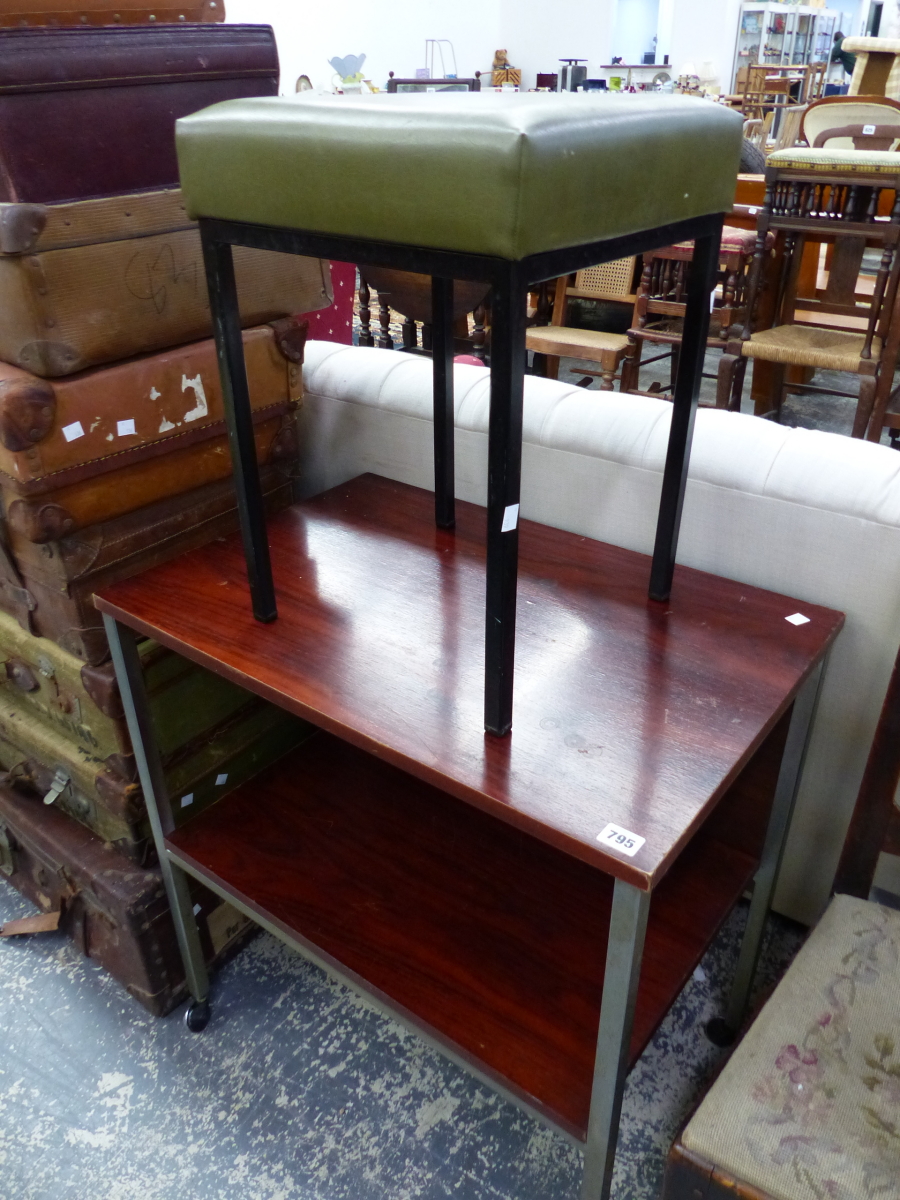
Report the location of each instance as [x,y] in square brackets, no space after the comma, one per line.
[61,781]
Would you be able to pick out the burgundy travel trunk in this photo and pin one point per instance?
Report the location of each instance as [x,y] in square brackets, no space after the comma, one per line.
[115,912]
[90,111]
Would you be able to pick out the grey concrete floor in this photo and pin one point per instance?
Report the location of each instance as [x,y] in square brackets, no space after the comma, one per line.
[297,1089]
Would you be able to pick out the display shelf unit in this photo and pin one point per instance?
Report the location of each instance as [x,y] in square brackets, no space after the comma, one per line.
[470,882]
[778,35]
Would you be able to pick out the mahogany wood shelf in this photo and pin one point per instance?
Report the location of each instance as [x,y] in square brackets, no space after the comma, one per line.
[458,876]
[490,939]
[627,711]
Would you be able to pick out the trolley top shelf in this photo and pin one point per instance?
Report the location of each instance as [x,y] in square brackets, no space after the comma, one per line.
[627,712]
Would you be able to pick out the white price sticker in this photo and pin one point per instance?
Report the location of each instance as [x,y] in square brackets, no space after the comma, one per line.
[797,619]
[221,780]
[73,431]
[510,518]
[126,428]
[868,130]
[186,800]
[614,837]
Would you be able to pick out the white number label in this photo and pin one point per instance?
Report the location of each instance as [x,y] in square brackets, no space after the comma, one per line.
[510,518]
[614,837]
[868,130]
[797,619]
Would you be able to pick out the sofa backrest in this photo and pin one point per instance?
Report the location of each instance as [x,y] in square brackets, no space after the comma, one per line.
[815,516]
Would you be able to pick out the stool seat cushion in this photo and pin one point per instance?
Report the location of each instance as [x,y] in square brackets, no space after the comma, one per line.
[809,1104]
[500,175]
[836,161]
[734,241]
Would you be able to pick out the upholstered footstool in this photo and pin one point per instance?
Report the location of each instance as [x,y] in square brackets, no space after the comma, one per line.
[808,1106]
[509,190]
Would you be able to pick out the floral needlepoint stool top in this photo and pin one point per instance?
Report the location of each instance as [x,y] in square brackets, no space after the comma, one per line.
[808,1108]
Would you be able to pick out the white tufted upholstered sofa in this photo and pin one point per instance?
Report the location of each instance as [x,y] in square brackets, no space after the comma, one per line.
[813,515]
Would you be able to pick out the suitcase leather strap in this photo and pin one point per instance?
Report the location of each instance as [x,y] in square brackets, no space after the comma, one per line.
[15,588]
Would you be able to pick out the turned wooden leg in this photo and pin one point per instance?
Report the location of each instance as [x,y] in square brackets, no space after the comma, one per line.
[726,382]
[365,296]
[866,422]
[607,376]
[479,347]
[631,367]
[779,373]
[385,341]
[410,334]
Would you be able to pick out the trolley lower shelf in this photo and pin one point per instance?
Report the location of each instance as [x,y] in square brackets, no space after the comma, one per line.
[491,940]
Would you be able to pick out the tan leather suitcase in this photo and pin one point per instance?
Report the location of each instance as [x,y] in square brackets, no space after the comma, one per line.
[93,446]
[28,13]
[95,281]
[115,913]
[48,588]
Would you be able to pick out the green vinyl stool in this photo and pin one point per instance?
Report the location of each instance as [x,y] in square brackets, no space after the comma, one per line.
[509,190]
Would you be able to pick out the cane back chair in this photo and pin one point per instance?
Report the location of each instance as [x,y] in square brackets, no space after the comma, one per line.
[612,281]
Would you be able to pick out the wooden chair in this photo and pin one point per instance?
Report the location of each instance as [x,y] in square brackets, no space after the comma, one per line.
[824,196]
[852,123]
[808,1106]
[770,87]
[608,281]
[789,127]
[659,309]
[816,78]
[409,294]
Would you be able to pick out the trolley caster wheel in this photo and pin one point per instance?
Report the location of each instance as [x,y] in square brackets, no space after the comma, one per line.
[197,1016]
[720,1033]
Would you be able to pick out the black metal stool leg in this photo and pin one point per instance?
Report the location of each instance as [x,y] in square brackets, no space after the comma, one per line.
[504,476]
[442,359]
[236,397]
[684,409]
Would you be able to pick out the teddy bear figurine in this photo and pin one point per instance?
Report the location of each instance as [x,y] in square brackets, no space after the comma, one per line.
[502,72]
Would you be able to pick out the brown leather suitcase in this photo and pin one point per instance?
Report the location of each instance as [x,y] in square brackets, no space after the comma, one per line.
[91,111]
[93,446]
[25,13]
[49,588]
[115,912]
[95,281]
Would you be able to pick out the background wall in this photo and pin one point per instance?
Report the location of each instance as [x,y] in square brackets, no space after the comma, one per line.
[310,32]
[535,34]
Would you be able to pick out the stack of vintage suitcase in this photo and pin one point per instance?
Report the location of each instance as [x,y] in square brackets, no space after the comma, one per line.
[114,456]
